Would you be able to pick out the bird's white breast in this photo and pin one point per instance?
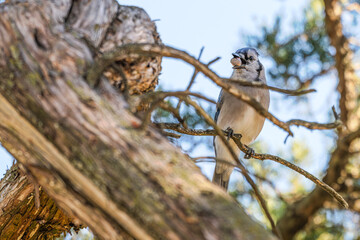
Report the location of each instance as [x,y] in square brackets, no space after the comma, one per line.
[241,118]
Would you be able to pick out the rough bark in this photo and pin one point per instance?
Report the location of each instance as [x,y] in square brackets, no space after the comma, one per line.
[20,219]
[83,146]
[299,214]
[127,24]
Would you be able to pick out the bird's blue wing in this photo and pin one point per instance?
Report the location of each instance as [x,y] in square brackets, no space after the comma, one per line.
[219,105]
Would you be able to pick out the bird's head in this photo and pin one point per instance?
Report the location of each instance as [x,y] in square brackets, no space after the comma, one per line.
[247,66]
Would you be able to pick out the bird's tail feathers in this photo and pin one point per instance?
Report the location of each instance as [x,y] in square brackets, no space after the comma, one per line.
[222,175]
[219,179]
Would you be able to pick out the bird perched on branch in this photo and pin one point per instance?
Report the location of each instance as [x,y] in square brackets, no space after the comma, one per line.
[235,116]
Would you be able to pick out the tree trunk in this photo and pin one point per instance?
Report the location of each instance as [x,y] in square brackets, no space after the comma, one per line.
[21,219]
[83,145]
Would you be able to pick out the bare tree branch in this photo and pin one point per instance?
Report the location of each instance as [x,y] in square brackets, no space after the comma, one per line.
[193,77]
[236,138]
[306,83]
[298,92]
[174,112]
[314,125]
[156,98]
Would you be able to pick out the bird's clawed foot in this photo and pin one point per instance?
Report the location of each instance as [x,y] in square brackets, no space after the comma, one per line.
[229,132]
[249,153]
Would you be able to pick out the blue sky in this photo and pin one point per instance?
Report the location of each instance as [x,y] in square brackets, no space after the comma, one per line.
[220,27]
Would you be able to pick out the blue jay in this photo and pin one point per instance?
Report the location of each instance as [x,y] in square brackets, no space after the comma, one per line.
[236,116]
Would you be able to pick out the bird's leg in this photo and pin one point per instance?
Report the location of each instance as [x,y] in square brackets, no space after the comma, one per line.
[249,153]
[229,133]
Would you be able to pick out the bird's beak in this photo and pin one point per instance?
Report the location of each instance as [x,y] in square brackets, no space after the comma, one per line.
[237,62]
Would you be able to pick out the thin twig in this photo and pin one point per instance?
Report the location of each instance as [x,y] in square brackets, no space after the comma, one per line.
[314,125]
[124,80]
[297,92]
[147,115]
[195,132]
[147,97]
[213,159]
[307,82]
[157,97]
[175,112]
[192,80]
[243,148]
[213,61]
[336,115]
[170,134]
